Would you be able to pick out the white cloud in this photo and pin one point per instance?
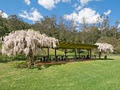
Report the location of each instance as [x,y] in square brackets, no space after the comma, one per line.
[33,15]
[108,12]
[75,5]
[57,1]
[65,0]
[3,14]
[83,2]
[90,16]
[27,2]
[118,26]
[50,4]
[78,6]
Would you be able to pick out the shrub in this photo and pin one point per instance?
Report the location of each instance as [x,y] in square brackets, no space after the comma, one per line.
[4,58]
[20,65]
[19,57]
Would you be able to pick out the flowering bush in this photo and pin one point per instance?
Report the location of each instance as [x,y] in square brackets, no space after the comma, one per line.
[26,42]
[104,47]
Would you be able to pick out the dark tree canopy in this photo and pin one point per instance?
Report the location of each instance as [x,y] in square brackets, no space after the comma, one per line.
[66,31]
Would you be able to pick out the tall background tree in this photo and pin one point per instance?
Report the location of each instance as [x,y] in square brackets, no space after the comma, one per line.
[67,31]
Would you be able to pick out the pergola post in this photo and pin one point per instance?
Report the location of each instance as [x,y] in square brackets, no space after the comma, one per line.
[99,55]
[55,54]
[65,54]
[48,53]
[75,54]
[79,53]
[90,53]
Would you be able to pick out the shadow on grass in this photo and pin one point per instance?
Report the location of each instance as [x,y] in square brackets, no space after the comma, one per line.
[105,59]
[4,61]
[44,66]
[48,65]
[41,66]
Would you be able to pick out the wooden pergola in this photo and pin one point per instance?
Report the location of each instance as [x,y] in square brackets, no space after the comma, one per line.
[75,46]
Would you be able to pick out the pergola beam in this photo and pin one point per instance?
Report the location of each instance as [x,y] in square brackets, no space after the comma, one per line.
[69,45]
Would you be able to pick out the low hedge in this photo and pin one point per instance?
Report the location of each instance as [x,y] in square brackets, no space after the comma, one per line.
[4,58]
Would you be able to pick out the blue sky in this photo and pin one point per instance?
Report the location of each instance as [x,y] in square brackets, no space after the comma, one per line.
[33,10]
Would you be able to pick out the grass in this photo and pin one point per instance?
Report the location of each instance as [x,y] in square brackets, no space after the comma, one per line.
[88,75]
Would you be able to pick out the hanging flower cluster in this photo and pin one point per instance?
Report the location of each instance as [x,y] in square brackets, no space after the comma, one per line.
[25,42]
[105,47]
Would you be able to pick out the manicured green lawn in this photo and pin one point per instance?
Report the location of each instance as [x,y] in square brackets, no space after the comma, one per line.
[88,75]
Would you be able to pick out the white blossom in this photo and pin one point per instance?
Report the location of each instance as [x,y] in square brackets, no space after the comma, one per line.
[105,47]
[25,42]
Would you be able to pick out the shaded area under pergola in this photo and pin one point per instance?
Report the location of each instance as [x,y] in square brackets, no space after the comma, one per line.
[77,47]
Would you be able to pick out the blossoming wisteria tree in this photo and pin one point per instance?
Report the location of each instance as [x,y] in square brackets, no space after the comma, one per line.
[104,47]
[26,42]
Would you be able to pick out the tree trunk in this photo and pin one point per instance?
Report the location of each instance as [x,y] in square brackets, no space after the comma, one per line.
[99,55]
[30,62]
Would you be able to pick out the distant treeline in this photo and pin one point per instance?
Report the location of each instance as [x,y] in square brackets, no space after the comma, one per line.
[66,30]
